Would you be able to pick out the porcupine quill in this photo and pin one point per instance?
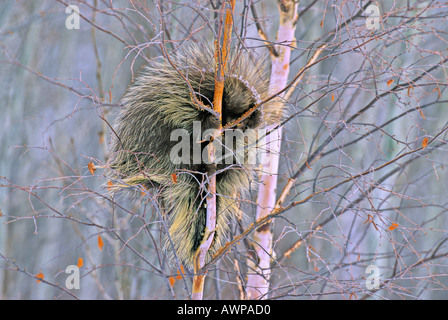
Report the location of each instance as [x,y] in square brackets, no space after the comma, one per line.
[159,103]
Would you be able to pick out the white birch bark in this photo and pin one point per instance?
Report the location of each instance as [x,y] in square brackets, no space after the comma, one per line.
[259,273]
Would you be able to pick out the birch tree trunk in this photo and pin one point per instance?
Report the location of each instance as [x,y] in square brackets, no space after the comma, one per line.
[259,267]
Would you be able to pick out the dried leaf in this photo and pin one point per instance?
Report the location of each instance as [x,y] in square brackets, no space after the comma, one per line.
[100,243]
[390,82]
[40,275]
[178,276]
[174,178]
[307,165]
[369,219]
[421,113]
[91,167]
[393,226]
[332,97]
[80,263]
[425,143]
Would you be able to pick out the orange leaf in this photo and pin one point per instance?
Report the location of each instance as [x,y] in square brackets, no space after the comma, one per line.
[174,178]
[178,276]
[322,24]
[80,263]
[421,113]
[390,82]
[332,97]
[91,167]
[307,165]
[40,275]
[110,185]
[393,226]
[311,248]
[369,219]
[100,243]
[425,143]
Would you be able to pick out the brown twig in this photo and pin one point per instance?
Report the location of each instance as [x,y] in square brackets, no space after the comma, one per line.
[221,54]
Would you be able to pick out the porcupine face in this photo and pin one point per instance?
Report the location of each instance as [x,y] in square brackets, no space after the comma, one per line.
[237,99]
[159,103]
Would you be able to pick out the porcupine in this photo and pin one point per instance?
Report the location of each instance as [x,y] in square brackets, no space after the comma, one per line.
[159,102]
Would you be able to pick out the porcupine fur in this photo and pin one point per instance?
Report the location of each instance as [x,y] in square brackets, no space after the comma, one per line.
[159,102]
